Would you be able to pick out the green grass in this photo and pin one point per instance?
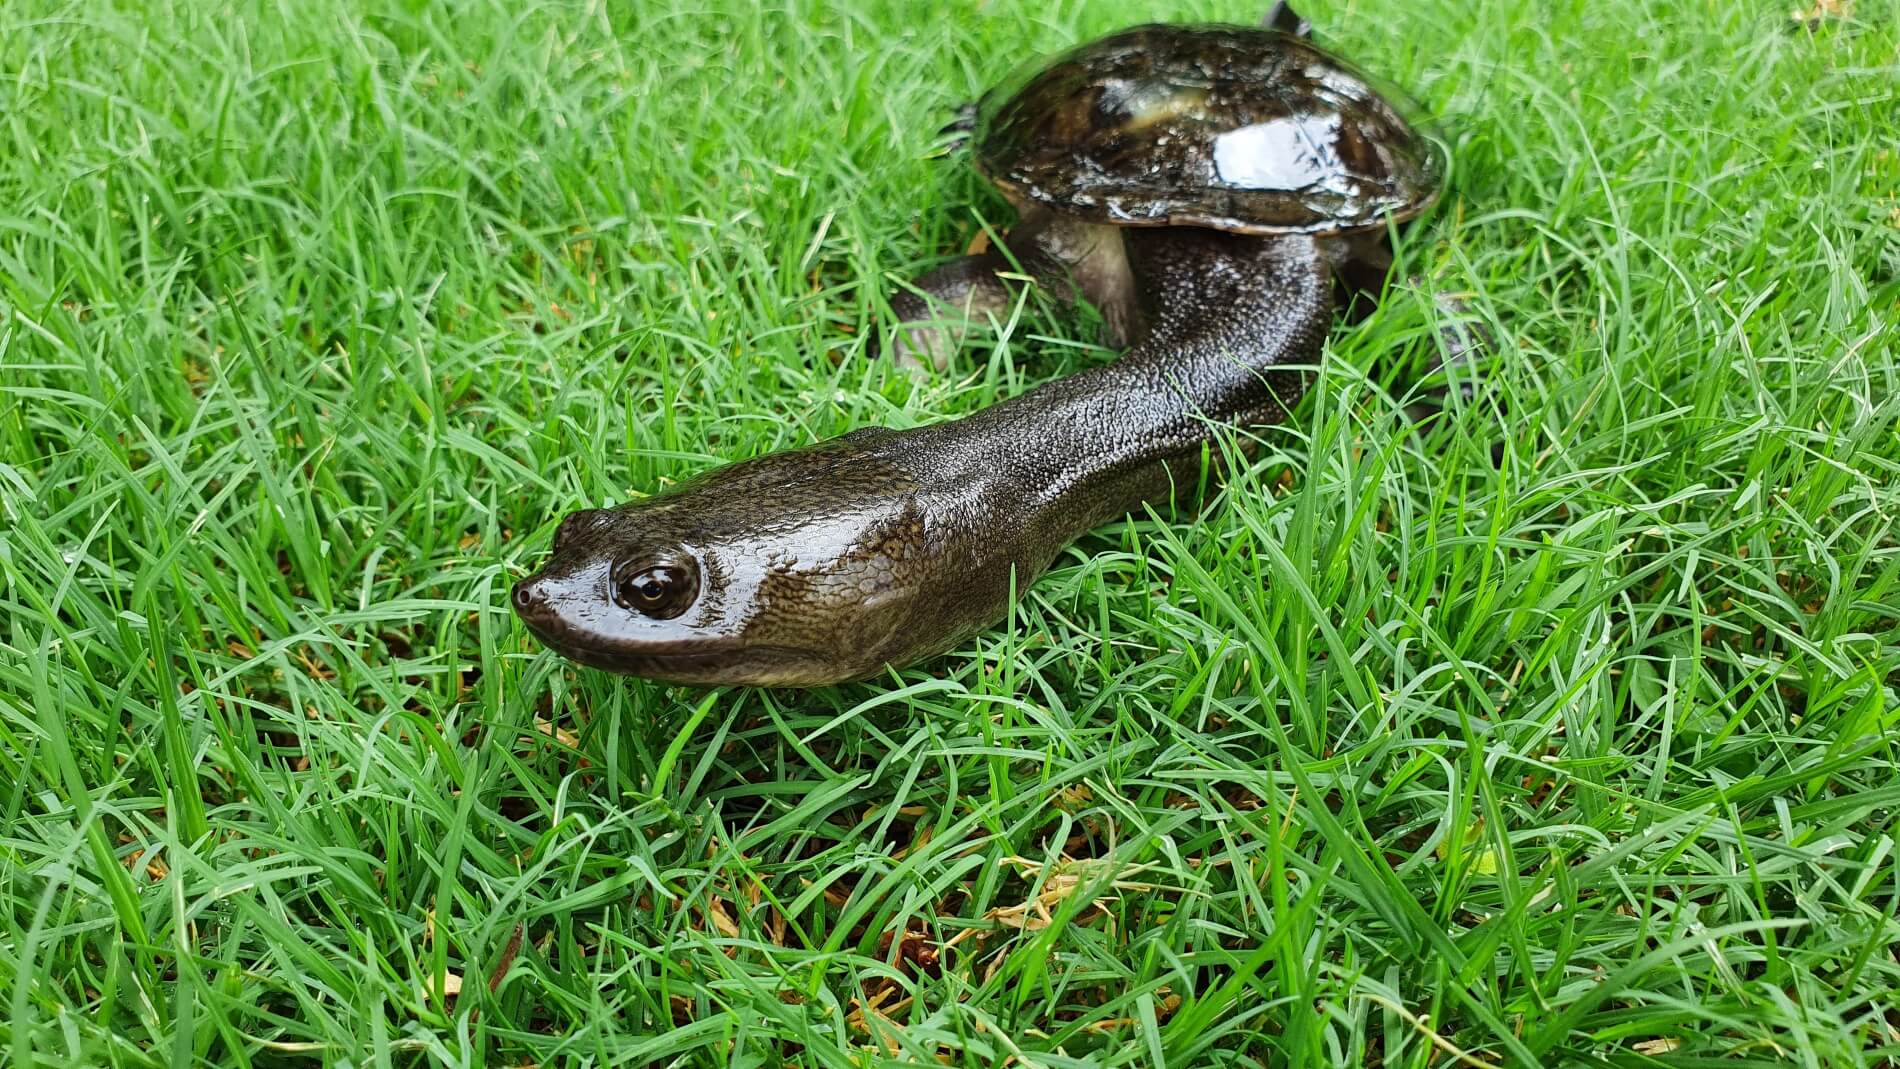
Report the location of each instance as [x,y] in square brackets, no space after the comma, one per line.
[313,321]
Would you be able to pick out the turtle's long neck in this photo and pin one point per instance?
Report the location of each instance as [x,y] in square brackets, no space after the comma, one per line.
[1227,314]
[1227,317]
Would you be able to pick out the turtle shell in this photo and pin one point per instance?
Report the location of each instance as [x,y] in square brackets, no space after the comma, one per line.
[1236,128]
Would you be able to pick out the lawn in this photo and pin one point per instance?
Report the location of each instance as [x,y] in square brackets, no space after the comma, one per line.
[1561,730]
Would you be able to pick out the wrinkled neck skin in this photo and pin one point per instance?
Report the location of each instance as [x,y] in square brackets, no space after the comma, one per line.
[881,548]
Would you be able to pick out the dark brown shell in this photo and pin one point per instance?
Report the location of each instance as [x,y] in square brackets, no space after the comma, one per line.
[1232,127]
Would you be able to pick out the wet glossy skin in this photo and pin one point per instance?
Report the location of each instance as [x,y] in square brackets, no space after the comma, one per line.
[1239,128]
[828,563]
[882,548]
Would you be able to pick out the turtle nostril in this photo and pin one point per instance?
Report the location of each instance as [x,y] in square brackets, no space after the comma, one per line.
[527,596]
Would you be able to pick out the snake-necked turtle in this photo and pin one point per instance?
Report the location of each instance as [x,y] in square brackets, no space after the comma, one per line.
[1209,188]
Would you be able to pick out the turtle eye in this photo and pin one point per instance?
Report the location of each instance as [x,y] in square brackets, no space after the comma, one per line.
[660,589]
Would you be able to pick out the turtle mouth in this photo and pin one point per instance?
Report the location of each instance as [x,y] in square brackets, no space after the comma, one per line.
[695,661]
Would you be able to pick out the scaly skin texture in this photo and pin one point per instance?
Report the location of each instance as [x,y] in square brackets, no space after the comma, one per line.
[882,547]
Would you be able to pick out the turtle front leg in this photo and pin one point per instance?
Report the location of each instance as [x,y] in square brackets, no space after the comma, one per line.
[1067,257]
[933,315]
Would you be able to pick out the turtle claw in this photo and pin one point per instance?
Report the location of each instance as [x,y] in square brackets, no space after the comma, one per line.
[1282,17]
